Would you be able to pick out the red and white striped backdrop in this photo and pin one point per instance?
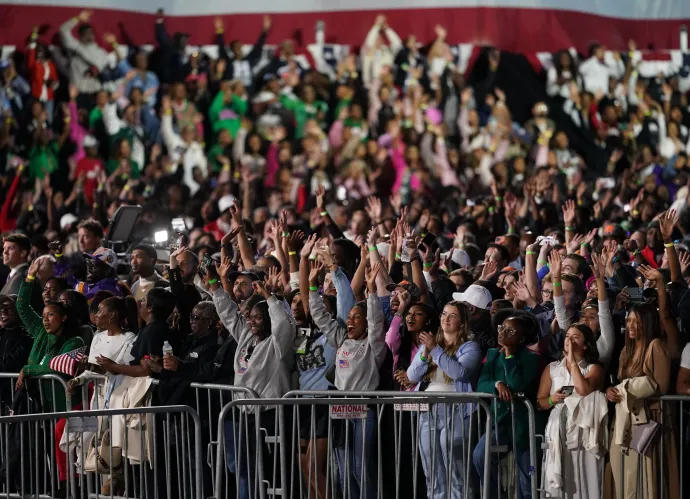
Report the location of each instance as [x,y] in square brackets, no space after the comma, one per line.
[529,26]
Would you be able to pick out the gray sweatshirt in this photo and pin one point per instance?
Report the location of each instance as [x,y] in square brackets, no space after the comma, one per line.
[267,368]
[83,57]
[357,362]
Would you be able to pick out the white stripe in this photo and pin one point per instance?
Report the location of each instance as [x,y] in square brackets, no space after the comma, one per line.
[626,9]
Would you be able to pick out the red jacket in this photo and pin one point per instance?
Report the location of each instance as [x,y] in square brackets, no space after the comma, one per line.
[43,74]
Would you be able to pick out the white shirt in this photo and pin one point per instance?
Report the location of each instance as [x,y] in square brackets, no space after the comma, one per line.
[117,348]
[685,357]
[596,74]
[16,269]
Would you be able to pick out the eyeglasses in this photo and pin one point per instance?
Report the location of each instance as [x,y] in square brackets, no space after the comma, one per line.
[547,293]
[508,331]
[196,318]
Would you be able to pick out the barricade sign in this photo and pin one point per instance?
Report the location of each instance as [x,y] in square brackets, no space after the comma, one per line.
[411,407]
[349,411]
[83,425]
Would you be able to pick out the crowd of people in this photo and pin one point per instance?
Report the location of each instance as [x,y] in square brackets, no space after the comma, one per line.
[381,225]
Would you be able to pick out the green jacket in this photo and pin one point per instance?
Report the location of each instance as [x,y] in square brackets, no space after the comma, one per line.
[521,373]
[45,347]
[43,160]
[227,116]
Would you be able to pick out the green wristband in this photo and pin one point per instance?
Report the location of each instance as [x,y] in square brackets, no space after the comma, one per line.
[212,281]
[428,265]
[372,249]
[313,288]
[550,401]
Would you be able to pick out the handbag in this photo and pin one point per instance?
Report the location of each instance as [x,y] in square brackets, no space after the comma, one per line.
[645,437]
[99,462]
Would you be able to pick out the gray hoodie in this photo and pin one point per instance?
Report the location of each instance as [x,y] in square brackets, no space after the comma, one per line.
[357,362]
[267,368]
[83,57]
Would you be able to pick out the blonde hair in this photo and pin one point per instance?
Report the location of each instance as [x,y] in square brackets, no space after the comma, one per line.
[462,336]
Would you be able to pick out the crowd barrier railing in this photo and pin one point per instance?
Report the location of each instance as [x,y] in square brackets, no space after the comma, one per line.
[49,388]
[207,399]
[348,444]
[153,452]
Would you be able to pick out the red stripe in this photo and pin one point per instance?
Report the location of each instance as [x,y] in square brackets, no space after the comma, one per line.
[522,30]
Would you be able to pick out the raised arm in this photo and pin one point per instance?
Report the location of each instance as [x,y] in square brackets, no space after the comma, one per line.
[375,322]
[32,321]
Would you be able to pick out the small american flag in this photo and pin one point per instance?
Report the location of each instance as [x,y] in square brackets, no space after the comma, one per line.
[67,362]
[344,364]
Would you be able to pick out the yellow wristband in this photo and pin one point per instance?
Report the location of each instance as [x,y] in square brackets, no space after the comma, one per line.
[30,277]
[669,245]
[292,253]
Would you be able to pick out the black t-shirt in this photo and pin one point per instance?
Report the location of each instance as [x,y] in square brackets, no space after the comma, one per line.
[150,341]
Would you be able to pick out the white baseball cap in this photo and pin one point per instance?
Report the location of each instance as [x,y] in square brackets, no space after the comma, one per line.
[225,202]
[460,257]
[67,219]
[475,295]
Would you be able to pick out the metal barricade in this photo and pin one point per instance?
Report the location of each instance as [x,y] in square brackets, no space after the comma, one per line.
[657,470]
[147,452]
[354,427]
[46,387]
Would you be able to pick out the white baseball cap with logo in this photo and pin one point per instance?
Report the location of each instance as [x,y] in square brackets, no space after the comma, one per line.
[475,295]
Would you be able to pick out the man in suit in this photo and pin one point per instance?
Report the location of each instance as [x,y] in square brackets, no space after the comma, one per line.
[15,254]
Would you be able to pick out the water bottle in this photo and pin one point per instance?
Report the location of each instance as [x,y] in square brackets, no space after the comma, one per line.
[167,349]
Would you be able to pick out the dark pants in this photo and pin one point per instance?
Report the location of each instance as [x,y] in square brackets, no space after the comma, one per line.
[505,437]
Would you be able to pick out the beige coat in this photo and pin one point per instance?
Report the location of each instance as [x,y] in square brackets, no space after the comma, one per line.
[642,474]
[132,392]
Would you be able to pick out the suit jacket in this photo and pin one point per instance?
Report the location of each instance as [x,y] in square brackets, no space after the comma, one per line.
[13,283]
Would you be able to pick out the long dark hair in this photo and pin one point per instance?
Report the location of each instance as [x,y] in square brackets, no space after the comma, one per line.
[631,363]
[256,301]
[591,355]
[432,324]
[126,310]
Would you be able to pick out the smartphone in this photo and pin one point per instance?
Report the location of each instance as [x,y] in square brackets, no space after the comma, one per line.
[427,241]
[636,295]
[205,262]
[546,240]
[567,390]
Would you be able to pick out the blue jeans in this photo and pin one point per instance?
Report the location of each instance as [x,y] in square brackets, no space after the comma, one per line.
[243,435]
[359,453]
[505,437]
[444,438]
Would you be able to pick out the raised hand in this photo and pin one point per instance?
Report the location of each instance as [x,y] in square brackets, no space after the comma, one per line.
[272,280]
[320,194]
[554,260]
[224,268]
[308,247]
[684,261]
[490,269]
[260,289]
[371,276]
[651,274]
[569,212]
[405,300]
[667,220]
[315,271]
[599,263]
[374,209]
[521,292]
